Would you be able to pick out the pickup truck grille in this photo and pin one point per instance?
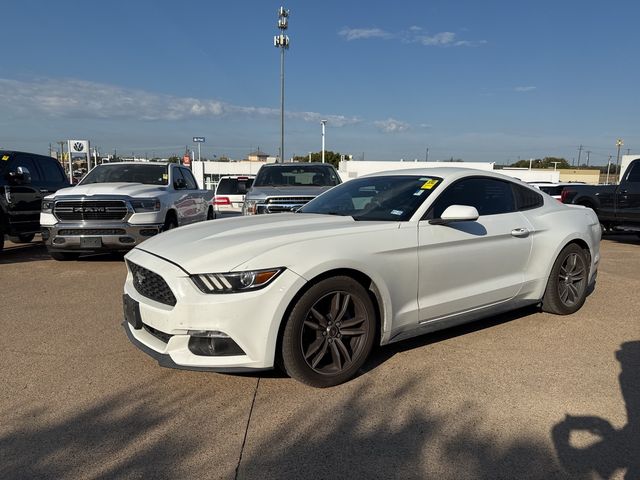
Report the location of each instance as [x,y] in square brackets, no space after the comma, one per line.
[90,210]
[285,204]
[151,285]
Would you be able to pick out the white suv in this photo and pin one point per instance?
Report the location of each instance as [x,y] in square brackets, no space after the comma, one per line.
[229,196]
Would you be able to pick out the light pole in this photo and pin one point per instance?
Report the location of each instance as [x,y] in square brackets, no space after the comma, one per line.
[282,42]
[323,122]
[608,167]
[619,143]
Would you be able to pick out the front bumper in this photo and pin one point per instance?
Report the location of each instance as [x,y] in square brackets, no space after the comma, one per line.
[96,237]
[251,319]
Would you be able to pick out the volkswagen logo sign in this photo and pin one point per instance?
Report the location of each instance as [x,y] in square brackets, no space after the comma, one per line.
[78,146]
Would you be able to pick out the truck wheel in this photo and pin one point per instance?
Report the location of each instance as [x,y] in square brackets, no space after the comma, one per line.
[64,256]
[210,215]
[25,238]
[170,223]
[567,285]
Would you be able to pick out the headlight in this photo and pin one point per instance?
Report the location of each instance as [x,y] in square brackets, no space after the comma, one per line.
[235,282]
[47,206]
[145,205]
[249,207]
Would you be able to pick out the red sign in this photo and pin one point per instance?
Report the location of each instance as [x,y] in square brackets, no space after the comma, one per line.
[186,160]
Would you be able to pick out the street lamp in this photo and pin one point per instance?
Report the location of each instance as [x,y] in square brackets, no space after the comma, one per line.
[323,122]
[282,42]
[619,143]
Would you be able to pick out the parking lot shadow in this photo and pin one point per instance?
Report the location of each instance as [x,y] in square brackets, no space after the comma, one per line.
[23,252]
[376,432]
[120,437]
[610,449]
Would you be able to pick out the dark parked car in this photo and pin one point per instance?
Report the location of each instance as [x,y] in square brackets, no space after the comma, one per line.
[25,179]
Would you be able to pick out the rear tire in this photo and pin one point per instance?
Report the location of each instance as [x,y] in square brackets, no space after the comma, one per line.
[566,288]
[210,215]
[25,238]
[329,333]
[64,256]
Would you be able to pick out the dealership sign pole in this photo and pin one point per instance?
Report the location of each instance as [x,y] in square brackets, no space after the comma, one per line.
[78,146]
[198,140]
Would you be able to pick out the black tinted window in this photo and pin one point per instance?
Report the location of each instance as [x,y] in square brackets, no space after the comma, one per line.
[297,174]
[526,198]
[234,186]
[52,171]
[489,196]
[634,172]
[188,177]
[25,162]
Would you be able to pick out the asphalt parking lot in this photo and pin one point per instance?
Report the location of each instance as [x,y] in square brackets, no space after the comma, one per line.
[526,395]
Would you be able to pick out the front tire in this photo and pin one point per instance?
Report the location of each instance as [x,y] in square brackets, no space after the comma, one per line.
[170,223]
[329,333]
[567,285]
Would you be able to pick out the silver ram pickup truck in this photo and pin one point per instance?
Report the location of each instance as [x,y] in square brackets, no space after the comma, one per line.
[285,187]
[118,205]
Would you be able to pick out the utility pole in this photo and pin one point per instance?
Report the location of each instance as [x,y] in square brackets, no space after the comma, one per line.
[323,122]
[619,143]
[628,151]
[608,167]
[426,155]
[282,42]
[588,153]
[579,153]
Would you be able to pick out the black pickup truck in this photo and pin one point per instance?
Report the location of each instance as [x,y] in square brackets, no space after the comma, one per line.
[617,206]
[25,179]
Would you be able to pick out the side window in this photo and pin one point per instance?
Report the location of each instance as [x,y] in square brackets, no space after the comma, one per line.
[634,172]
[188,177]
[488,195]
[177,175]
[28,163]
[526,198]
[51,171]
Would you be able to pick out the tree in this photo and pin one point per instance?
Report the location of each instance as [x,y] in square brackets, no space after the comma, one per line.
[174,159]
[546,162]
[329,157]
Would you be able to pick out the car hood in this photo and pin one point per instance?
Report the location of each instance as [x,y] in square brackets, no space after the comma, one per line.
[222,245]
[128,189]
[297,191]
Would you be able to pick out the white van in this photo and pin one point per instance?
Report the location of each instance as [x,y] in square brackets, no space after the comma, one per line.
[229,196]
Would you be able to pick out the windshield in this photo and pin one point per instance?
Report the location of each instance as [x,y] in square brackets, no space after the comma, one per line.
[388,198]
[142,173]
[234,186]
[296,175]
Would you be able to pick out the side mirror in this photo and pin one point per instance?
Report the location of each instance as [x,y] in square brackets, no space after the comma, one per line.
[179,184]
[21,176]
[456,213]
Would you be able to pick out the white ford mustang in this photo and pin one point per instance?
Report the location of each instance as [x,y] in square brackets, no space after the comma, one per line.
[377,259]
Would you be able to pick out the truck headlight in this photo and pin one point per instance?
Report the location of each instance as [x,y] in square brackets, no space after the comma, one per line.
[145,205]
[235,282]
[249,207]
[47,206]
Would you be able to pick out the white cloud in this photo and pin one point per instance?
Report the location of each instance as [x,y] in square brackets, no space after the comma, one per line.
[392,125]
[360,33]
[414,34]
[525,89]
[82,99]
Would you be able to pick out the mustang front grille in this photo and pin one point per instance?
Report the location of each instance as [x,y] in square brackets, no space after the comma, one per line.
[90,210]
[151,285]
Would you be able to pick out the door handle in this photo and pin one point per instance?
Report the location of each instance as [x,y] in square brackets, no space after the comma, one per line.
[520,232]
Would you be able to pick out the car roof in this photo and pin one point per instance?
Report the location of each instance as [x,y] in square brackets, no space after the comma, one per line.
[449,173]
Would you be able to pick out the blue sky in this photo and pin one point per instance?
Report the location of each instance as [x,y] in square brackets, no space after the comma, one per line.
[482,81]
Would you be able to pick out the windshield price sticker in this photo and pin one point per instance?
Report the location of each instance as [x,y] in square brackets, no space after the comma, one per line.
[418,193]
[165,176]
[396,212]
[429,184]
[5,157]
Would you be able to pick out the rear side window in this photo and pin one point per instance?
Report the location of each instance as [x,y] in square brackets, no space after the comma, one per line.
[488,195]
[234,186]
[526,198]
